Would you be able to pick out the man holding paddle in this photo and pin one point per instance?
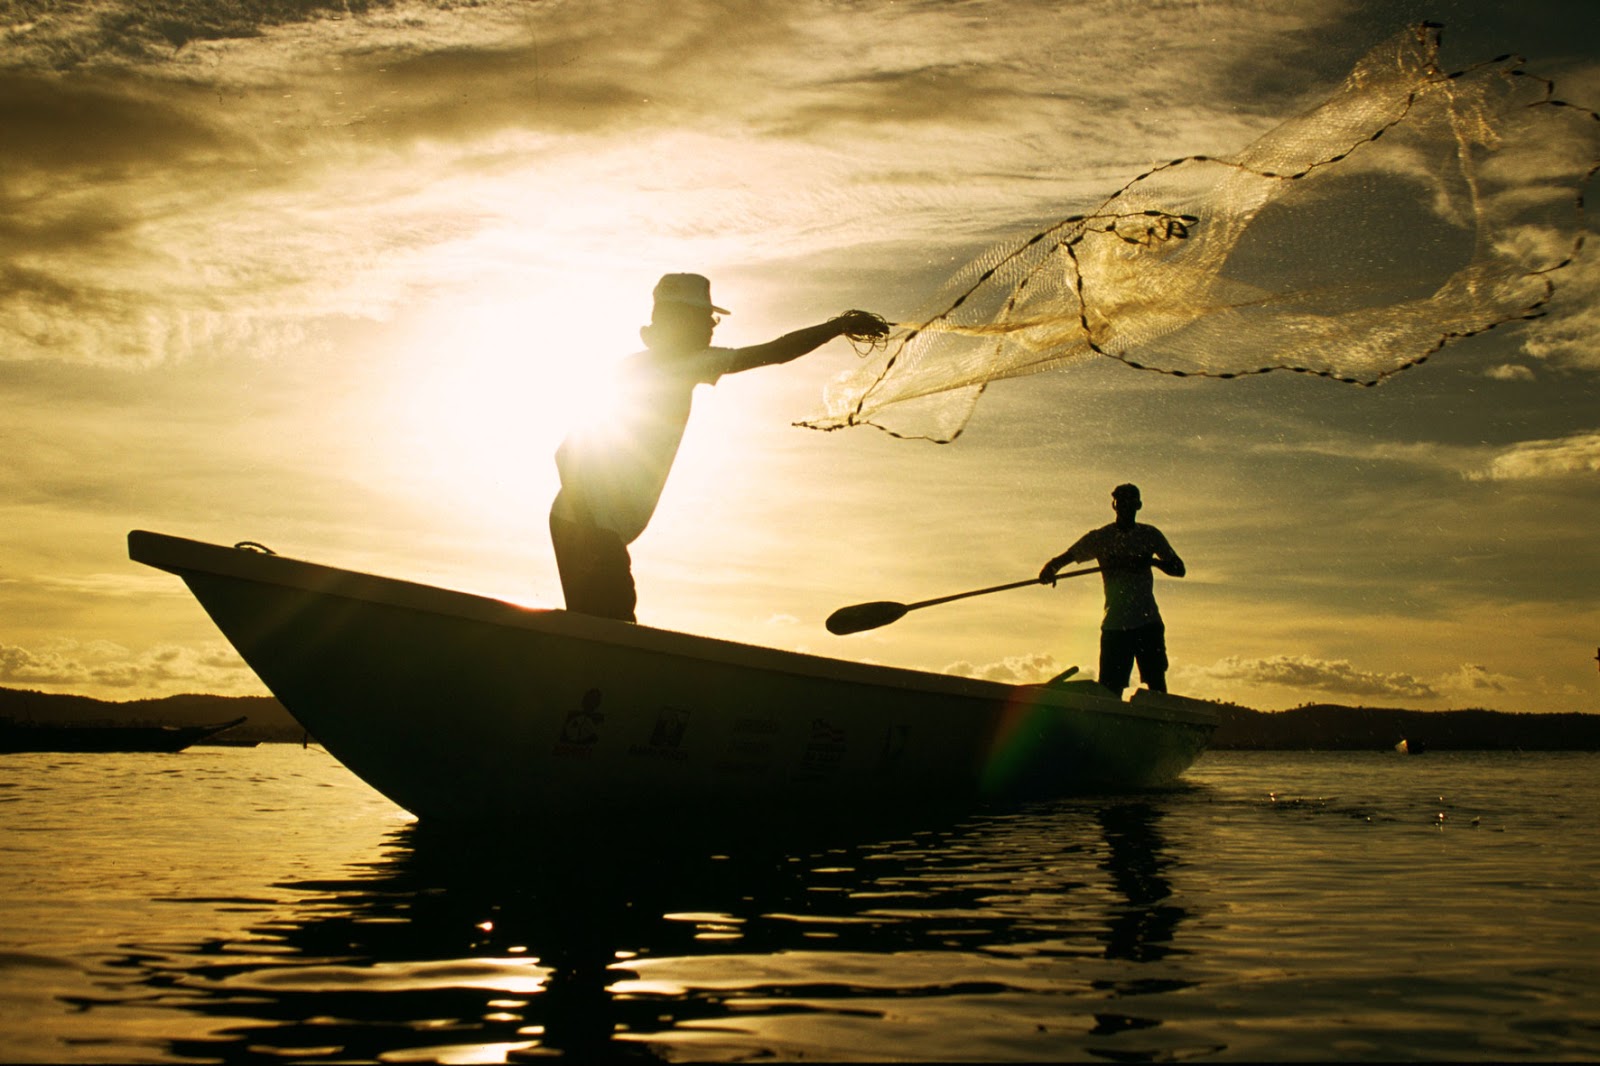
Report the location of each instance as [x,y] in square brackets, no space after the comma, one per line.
[1132,630]
[612,473]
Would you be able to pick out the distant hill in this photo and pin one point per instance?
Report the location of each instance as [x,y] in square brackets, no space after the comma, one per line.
[1330,727]
[1319,727]
[266,718]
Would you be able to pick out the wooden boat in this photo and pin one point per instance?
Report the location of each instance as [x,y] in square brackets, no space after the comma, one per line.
[463,708]
[95,737]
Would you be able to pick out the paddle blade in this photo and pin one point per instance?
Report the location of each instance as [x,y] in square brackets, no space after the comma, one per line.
[859,617]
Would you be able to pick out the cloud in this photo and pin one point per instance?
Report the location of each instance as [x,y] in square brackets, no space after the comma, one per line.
[1339,678]
[164,669]
[1473,679]
[1015,670]
[134,586]
[1333,676]
[21,666]
[171,36]
[1509,372]
[1577,455]
[194,179]
[1569,336]
[1361,447]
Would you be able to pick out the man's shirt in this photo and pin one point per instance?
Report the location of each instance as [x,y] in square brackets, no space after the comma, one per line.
[1124,557]
[614,469]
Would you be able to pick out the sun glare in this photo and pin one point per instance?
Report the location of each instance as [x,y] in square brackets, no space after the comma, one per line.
[485,391]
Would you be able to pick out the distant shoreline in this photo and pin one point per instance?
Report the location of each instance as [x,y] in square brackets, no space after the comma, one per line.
[266,720]
[1318,727]
[1332,727]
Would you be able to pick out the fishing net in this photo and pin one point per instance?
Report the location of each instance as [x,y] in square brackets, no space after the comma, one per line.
[1413,207]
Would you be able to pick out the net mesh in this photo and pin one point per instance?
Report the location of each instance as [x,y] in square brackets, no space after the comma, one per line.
[1411,208]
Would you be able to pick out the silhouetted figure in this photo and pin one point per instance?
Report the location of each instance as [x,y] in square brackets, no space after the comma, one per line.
[1132,629]
[612,474]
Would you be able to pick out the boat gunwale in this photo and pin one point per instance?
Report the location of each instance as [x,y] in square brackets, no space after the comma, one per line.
[180,556]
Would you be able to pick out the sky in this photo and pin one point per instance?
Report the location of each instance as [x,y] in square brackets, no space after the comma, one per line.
[327,276]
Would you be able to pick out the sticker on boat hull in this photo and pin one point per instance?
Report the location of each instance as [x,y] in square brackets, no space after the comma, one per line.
[824,752]
[895,740]
[666,738]
[749,749]
[581,730]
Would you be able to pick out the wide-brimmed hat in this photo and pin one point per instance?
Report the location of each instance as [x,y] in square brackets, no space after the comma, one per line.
[693,290]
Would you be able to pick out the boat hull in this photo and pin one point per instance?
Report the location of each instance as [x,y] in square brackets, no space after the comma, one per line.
[462,708]
[18,737]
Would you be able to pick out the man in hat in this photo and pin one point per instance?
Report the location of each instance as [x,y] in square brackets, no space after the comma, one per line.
[612,474]
[1132,629]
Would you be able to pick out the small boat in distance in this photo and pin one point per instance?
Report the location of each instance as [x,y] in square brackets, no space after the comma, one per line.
[466,709]
[16,737]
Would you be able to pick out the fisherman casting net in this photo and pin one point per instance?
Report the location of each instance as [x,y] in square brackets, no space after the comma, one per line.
[1411,208]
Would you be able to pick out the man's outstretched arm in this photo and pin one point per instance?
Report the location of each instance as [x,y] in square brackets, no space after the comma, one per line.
[862,324]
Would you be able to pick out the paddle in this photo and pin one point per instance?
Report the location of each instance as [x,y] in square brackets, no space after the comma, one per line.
[859,617]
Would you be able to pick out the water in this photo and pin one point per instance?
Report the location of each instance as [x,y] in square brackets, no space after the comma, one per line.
[262,905]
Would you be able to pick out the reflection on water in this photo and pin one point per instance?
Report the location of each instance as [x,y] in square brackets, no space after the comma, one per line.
[687,947]
[1135,857]
[265,906]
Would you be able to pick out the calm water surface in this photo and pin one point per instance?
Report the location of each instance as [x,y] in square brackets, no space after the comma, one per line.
[262,905]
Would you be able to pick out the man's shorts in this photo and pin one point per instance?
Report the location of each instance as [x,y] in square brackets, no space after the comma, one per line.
[596,570]
[1121,648]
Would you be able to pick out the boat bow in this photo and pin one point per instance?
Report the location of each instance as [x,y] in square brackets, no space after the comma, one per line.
[459,706]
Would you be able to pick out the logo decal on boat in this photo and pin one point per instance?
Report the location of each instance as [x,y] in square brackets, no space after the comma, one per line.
[824,752]
[582,728]
[895,739]
[749,748]
[667,736]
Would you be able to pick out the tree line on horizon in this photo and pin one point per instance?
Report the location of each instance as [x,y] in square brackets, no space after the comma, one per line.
[1313,727]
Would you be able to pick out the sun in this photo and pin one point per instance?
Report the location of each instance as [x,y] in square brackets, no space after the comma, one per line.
[482,392]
